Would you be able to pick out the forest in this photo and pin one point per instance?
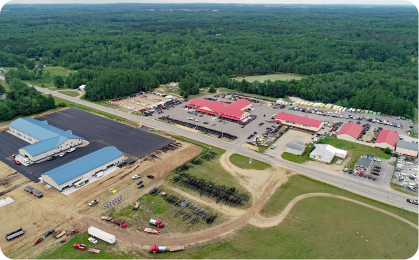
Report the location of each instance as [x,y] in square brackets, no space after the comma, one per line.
[353,55]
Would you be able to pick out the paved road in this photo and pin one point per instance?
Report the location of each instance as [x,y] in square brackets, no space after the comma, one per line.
[382,194]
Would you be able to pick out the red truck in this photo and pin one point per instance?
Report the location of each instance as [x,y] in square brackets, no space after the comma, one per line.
[80,246]
[163,249]
[156,222]
[119,222]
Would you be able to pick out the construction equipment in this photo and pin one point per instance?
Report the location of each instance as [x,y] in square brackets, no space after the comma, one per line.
[93,250]
[15,234]
[151,231]
[163,249]
[95,232]
[156,223]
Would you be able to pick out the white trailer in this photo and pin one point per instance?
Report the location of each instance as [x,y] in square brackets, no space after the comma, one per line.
[95,232]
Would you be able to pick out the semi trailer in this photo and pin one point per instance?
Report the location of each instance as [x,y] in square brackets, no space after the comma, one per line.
[102,235]
[15,234]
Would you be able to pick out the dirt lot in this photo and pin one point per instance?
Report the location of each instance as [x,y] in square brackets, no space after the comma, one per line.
[287,137]
[146,99]
[56,211]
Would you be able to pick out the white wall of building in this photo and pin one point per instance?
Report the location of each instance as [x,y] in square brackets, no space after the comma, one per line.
[86,175]
[293,151]
[384,146]
[64,146]
[346,137]
[407,152]
[23,136]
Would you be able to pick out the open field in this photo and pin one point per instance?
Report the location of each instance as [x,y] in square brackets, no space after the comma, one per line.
[271,77]
[58,71]
[243,162]
[70,93]
[354,150]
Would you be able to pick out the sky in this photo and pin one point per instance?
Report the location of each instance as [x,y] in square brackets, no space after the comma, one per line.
[369,2]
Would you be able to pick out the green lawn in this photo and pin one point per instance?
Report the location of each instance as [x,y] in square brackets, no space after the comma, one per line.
[357,149]
[58,71]
[298,158]
[66,250]
[287,99]
[69,93]
[243,162]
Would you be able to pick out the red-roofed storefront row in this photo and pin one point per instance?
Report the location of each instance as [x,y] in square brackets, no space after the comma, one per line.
[387,138]
[350,132]
[233,111]
[299,122]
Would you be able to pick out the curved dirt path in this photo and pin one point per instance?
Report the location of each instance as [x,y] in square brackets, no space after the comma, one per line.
[263,222]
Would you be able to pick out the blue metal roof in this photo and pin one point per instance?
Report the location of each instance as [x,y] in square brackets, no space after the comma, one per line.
[45,145]
[80,166]
[39,130]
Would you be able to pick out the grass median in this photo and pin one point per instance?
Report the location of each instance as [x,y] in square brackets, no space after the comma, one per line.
[69,93]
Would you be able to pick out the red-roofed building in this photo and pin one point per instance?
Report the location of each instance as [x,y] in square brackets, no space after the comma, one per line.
[299,122]
[387,138]
[234,111]
[350,132]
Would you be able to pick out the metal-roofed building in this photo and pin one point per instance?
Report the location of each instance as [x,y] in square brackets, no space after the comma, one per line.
[349,132]
[235,111]
[407,148]
[45,140]
[326,153]
[77,173]
[299,122]
[363,163]
[295,147]
[387,138]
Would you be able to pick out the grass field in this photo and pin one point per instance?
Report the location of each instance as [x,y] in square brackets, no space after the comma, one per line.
[243,162]
[70,93]
[271,77]
[357,150]
[287,99]
[58,71]
[66,250]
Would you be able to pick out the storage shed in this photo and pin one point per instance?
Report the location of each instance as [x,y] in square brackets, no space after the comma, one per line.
[295,147]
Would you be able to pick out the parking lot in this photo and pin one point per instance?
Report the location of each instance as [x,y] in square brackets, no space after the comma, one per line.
[264,112]
[99,131]
[406,174]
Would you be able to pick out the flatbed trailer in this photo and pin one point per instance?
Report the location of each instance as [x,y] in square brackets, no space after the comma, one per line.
[93,250]
[151,231]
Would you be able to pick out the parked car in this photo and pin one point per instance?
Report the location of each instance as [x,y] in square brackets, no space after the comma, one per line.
[49,232]
[39,240]
[51,158]
[62,154]
[93,202]
[71,150]
[351,171]
[377,167]
[150,176]
[136,176]
[345,170]
[138,183]
[91,239]
[377,170]
[377,160]
[139,187]
[17,162]
[374,178]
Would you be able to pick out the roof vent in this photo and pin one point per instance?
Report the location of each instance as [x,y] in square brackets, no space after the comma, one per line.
[45,122]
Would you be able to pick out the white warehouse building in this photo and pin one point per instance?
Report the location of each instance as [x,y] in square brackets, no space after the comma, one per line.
[77,173]
[45,140]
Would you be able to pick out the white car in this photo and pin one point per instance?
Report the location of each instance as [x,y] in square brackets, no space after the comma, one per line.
[273,146]
[196,120]
[62,154]
[190,118]
[91,239]
[136,176]
[377,160]
[71,150]
[93,202]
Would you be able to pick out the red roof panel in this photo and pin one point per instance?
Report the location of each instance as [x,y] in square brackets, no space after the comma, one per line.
[230,117]
[351,129]
[232,109]
[388,136]
[298,119]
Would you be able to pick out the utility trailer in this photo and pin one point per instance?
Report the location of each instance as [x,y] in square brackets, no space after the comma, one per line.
[93,250]
[151,231]
[56,233]
[163,249]
[15,234]
[412,201]
[119,222]
[61,234]
[102,235]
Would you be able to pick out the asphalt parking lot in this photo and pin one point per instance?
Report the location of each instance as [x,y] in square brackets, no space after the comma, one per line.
[265,112]
[99,131]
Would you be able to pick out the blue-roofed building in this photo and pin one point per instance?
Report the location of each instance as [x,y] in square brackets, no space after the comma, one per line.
[77,173]
[45,140]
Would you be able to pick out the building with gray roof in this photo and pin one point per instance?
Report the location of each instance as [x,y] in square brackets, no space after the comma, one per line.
[295,147]
[407,148]
[78,172]
[45,140]
[364,163]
